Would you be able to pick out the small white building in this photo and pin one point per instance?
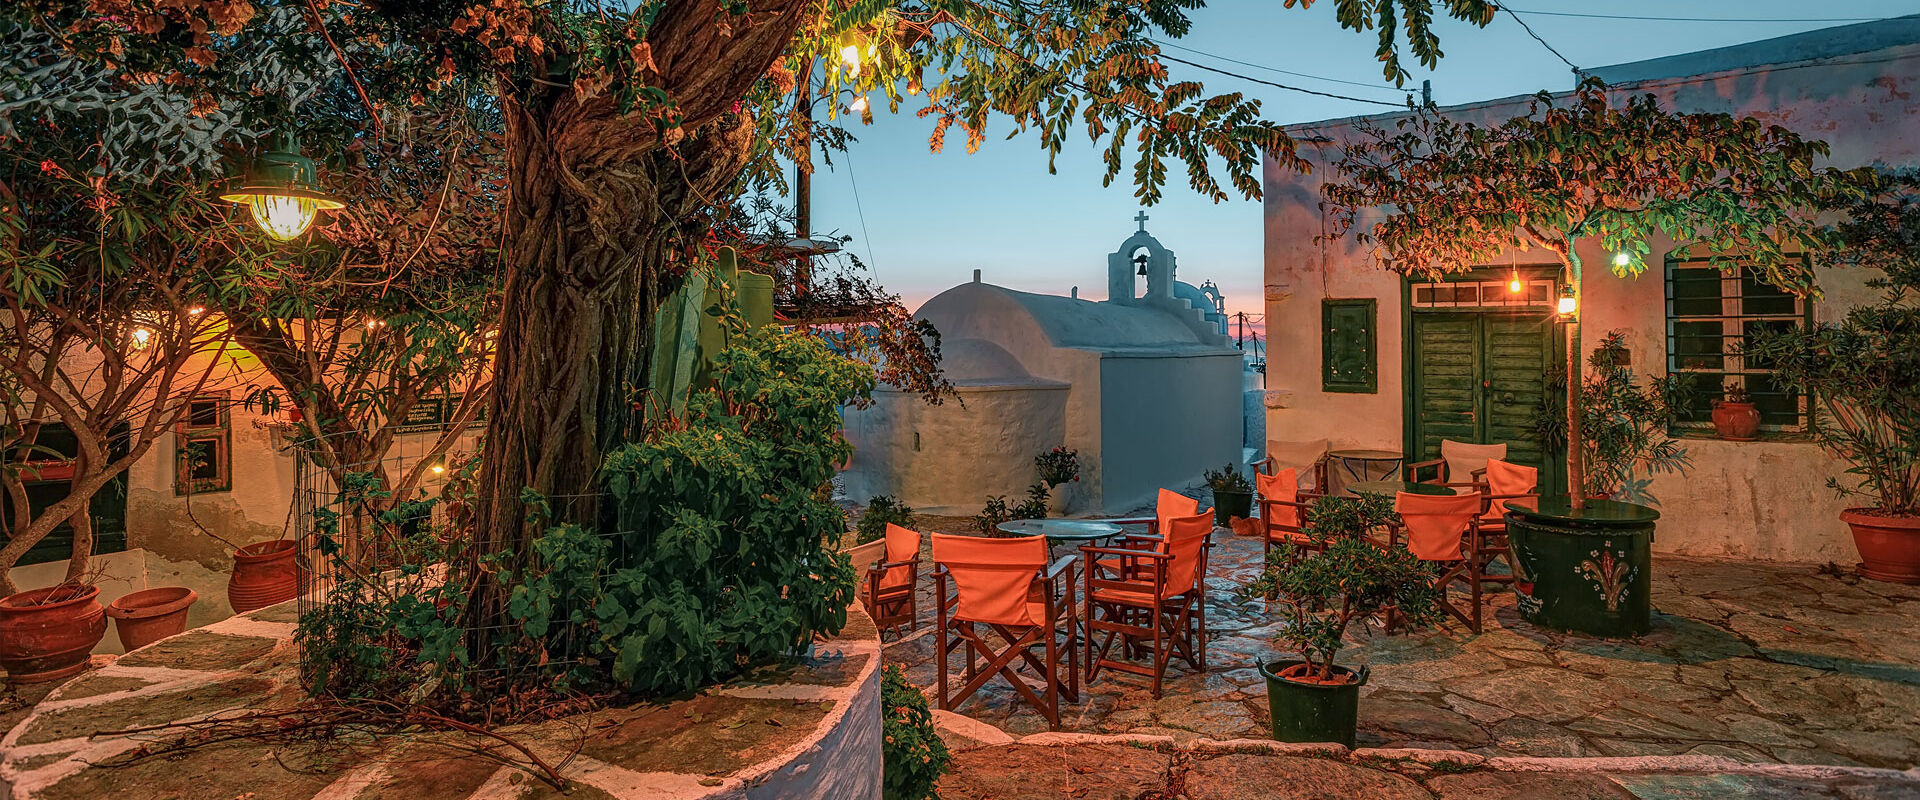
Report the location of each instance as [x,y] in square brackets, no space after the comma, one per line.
[1384,362]
[1145,385]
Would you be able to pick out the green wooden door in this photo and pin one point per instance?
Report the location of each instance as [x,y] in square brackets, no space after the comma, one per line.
[1479,377]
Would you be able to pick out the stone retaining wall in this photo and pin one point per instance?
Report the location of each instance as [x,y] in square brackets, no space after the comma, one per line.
[807,732]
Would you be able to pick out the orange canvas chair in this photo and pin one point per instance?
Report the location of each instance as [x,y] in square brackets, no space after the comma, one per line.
[1445,529]
[1169,505]
[1151,599]
[889,595]
[1283,511]
[1006,587]
[1500,483]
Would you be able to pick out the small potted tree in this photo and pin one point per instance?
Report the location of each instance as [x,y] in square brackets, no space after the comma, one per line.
[1312,698]
[1862,371]
[1734,416]
[1232,495]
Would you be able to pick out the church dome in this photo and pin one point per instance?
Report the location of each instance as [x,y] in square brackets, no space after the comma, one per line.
[968,361]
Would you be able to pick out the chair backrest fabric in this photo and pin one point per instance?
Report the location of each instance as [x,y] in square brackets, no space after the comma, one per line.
[1297,456]
[1186,539]
[1435,523]
[1282,485]
[1463,458]
[1505,477]
[902,545]
[994,578]
[1173,504]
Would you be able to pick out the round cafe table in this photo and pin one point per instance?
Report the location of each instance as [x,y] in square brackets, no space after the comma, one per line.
[1367,465]
[1071,532]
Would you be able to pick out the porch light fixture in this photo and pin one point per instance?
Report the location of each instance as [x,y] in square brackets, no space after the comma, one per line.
[859,105]
[1622,259]
[1514,285]
[1567,305]
[280,190]
[140,338]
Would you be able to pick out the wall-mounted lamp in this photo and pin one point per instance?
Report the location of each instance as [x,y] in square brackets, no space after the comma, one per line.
[1568,304]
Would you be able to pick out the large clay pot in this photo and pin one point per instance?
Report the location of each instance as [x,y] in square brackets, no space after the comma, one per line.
[1889,546]
[1227,505]
[1739,422]
[49,634]
[264,573]
[149,615]
[1313,712]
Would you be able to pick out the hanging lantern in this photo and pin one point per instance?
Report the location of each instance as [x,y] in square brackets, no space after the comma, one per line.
[280,190]
[1567,305]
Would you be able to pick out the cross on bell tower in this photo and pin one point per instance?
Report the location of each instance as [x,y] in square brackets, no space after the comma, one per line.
[1142,219]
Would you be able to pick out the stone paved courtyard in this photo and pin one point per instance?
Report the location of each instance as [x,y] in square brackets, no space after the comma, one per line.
[1757,662]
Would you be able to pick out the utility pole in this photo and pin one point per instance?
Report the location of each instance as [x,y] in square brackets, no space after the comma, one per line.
[803,165]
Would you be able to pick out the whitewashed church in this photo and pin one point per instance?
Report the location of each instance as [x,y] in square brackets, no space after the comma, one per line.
[1145,385]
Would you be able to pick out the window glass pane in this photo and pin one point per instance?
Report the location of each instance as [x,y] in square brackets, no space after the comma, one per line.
[1758,298]
[1697,405]
[1696,292]
[1697,345]
[203,459]
[203,413]
[1778,403]
[1753,326]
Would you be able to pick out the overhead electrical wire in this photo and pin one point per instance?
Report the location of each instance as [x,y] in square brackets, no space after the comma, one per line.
[1362,84]
[1652,18]
[1264,82]
[1536,37]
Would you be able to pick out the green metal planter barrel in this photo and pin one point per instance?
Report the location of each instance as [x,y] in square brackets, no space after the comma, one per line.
[1308,712]
[1587,571]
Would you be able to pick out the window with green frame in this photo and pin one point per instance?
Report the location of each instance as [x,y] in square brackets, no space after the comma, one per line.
[1347,339]
[1711,318]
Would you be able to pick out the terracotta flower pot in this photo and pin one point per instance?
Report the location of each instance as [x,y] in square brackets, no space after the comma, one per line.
[1889,546]
[49,634]
[264,573]
[1739,422]
[147,616]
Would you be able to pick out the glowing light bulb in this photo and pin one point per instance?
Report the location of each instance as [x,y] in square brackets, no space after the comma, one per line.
[438,469]
[283,217]
[1567,305]
[859,105]
[196,311]
[1622,259]
[141,338]
[374,323]
[1514,285]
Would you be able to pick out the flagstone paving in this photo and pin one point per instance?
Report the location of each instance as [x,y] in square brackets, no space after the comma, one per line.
[1756,662]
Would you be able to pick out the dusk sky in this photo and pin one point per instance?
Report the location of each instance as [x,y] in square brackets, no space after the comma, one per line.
[929,220]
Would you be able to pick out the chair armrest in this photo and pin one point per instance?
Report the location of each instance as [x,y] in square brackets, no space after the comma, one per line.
[1122,552]
[1147,539]
[1479,475]
[1302,506]
[887,565]
[1129,520]
[1062,566]
[1439,465]
[1265,466]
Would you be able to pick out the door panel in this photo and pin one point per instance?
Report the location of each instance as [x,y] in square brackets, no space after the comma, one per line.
[1446,391]
[1478,378]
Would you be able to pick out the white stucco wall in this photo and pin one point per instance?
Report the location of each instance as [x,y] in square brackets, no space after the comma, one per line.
[948,459]
[1165,421]
[1764,500]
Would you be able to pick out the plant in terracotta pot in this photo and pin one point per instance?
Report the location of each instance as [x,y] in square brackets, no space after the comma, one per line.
[49,634]
[1734,416]
[1312,698]
[1863,371]
[1232,494]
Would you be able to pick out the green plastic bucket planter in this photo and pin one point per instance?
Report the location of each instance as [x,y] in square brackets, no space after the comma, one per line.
[1587,571]
[1311,712]
[1227,505]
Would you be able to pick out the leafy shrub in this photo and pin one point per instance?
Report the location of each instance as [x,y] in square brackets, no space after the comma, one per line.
[881,510]
[1863,370]
[914,756]
[995,512]
[1353,579]
[1624,424]
[1035,506]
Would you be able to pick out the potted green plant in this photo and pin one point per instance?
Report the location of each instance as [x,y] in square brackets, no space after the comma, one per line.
[881,510]
[1312,698]
[1734,416]
[1232,495]
[1625,421]
[1862,371]
[1058,469]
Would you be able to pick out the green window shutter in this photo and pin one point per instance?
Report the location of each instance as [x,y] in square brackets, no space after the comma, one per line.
[1347,336]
